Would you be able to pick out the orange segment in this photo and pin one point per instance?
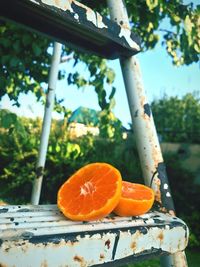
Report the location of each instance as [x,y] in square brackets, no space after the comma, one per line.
[136,199]
[91,193]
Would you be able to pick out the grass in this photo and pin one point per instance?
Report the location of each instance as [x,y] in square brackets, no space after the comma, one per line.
[193,258]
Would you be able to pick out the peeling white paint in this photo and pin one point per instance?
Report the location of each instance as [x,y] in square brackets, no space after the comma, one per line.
[92,16]
[62,4]
[92,243]
[126,33]
[168,194]
[100,23]
[76,16]
[35,2]
[165,186]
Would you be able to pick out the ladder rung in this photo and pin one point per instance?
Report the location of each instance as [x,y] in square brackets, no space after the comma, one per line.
[74,24]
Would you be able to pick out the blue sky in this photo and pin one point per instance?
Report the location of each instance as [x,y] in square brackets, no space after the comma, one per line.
[159,77]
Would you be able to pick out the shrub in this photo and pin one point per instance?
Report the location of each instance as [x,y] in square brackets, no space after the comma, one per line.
[185,195]
[19,142]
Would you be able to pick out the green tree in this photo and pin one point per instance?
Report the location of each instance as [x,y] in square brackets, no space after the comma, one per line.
[180,37]
[25,55]
[178,120]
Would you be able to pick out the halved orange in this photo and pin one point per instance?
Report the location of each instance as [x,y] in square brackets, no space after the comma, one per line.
[136,199]
[91,193]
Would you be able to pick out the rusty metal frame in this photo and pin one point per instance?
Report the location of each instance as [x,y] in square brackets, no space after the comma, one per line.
[151,160]
[73,24]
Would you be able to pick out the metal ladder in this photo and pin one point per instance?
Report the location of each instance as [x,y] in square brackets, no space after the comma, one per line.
[39,235]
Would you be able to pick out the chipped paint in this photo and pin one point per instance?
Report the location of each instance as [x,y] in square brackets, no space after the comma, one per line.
[107,244]
[75,24]
[62,4]
[126,33]
[38,239]
[144,128]
[165,186]
[92,16]
[151,159]
[147,110]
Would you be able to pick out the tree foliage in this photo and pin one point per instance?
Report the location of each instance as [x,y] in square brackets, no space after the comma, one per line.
[24,61]
[178,120]
[25,55]
[179,33]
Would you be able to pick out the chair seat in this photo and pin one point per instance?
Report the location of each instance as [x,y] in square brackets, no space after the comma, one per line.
[42,236]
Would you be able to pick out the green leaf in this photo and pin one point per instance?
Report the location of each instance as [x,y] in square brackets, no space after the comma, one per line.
[26,39]
[16,46]
[36,49]
[5,42]
[93,69]
[188,24]
[8,119]
[112,93]
[58,148]
[14,61]
[152,3]
[110,76]
[197,48]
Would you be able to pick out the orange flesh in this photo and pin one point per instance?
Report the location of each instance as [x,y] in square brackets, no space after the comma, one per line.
[136,199]
[135,191]
[91,193]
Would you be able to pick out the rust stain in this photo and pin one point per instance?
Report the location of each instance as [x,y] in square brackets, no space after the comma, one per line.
[142,102]
[179,245]
[133,245]
[78,259]
[158,196]
[107,243]
[171,212]
[125,26]
[71,243]
[156,154]
[180,259]
[101,256]
[24,246]
[44,264]
[157,183]
[160,236]
[163,209]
